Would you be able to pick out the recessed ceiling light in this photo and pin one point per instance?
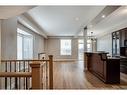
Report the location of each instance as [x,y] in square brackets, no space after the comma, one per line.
[91,26]
[77,18]
[103,16]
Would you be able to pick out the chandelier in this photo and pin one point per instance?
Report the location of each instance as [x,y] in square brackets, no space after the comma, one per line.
[91,37]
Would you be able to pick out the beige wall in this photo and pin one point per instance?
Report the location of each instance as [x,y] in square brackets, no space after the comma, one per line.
[0,51]
[52,47]
[0,40]
[38,45]
[104,43]
[9,39]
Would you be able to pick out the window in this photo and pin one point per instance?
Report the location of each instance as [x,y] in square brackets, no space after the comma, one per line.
[80,49]
[19,47]
[65,46]
[89,45]
[24,45]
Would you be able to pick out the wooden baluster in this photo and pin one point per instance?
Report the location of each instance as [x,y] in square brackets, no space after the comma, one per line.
[26,77]
[36,75]
[16,84]
[10,71]
[46,74]
[28,82]
[24,71]
[50,72]
[42,76]
[19,71]
[6,77]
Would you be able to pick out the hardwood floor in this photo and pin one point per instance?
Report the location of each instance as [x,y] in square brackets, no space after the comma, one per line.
[70,75]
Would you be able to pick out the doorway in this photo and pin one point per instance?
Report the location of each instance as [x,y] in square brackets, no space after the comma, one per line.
[80,49]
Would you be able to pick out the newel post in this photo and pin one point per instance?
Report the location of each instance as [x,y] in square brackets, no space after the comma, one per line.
[50,71]
[36,75]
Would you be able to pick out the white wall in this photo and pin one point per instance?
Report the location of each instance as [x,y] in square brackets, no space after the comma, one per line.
[104,43]
[38,46]
[8,41]
[9,38]
[52,47]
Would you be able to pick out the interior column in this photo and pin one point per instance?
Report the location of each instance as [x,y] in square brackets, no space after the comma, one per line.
[85,38]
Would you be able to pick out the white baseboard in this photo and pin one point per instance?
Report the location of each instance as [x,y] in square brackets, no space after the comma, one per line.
[65,60]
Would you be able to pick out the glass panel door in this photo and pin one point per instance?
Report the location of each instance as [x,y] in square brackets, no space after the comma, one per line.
[80,49]
[28,47]
[113,47]
[118,47]
[19,47]
[24,45]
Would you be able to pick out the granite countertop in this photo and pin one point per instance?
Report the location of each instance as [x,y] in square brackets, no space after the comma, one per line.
[123,57]
[113,57]
[97,52]
[118,57]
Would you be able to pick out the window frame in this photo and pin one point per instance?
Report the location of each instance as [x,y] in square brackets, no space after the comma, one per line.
[23,36]
[89,45]
[69,50]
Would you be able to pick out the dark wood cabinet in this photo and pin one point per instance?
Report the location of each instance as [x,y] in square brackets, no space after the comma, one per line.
[119,42]
[106,69]
[113,70]
[119,47]
[123,51]
[123,65]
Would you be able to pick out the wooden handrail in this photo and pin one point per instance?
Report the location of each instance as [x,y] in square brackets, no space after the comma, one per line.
[50,71]
[15,74]
[35,72]
[22,60]
[42,53]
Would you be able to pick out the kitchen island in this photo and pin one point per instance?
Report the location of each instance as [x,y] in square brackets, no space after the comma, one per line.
[105,68]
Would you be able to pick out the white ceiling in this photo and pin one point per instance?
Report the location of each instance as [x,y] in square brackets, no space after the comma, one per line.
[63,20]
[115,21]
[69,20]
[11,11]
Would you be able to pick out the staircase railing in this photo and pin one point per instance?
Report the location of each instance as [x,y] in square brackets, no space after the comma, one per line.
[27,74]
